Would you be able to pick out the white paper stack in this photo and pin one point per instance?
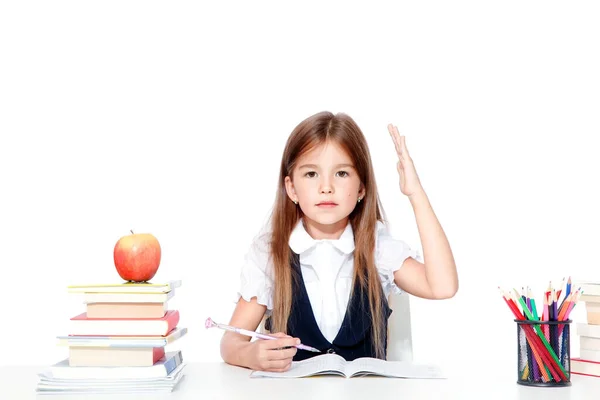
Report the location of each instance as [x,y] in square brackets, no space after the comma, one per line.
[162,377]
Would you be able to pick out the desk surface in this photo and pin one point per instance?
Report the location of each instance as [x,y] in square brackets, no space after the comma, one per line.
[222,381]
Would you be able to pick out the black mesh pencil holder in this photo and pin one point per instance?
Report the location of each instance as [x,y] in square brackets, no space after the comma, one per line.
[544,353]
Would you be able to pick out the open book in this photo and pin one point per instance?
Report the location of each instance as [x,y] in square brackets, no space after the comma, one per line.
[334,364]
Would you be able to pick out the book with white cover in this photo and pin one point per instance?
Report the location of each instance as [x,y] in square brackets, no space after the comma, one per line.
[589,287]
[589,330]
[589,343]
[102,297]
[589,355]
[589,299]
[584,367]
[334,364]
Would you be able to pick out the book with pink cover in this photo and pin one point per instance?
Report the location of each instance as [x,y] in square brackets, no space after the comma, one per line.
[82,325]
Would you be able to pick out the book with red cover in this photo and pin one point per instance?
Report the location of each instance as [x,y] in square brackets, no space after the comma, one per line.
[82,325]
[585,367]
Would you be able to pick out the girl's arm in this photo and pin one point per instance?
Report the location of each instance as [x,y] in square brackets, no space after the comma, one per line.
[247,315]
[264,355]
[437,278]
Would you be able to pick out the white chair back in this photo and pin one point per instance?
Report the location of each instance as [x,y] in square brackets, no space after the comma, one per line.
[399,346]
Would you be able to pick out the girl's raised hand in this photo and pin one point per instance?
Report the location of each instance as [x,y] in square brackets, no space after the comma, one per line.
[273,355]
[409,180]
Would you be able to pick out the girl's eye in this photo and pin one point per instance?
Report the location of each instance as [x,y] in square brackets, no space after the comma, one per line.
[311,174]
[342,174]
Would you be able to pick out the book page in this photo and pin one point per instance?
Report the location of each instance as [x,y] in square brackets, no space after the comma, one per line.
[393,369]
[325,364]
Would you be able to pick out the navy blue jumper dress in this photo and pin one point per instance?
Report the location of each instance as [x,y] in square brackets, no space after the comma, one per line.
[353,340]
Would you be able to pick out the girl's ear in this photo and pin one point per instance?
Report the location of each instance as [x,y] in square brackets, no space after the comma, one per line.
[289,188]
[361,191]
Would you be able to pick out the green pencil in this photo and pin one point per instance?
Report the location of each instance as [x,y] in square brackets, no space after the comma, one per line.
[533,308]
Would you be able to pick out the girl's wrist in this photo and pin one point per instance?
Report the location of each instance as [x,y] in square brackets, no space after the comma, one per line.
[417,197]
[243,354]
[235,351]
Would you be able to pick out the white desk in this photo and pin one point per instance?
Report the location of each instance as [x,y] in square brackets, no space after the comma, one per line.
[222,381]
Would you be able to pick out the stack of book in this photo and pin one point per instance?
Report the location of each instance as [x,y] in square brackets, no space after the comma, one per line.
[118,345]
[588,362]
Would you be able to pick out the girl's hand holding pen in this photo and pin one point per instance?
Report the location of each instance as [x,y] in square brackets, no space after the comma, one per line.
[272,355]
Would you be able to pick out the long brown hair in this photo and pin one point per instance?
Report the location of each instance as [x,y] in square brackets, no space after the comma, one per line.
[314,131]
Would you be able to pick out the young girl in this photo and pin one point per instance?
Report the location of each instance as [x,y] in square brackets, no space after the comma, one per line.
[323,272]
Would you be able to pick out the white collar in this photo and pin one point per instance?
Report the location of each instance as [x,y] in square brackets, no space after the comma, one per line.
[300,241]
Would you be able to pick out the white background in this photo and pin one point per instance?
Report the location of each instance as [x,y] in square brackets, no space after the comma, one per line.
[170,118]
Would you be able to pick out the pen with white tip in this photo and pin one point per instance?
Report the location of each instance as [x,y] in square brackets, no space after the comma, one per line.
[212,324]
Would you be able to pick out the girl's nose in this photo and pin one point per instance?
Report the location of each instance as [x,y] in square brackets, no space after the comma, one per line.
[326,188]
[325,185]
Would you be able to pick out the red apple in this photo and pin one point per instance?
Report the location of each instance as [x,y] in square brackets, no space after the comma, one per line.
[137,257]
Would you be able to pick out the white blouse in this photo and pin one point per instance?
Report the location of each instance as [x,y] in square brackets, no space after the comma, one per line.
[327,266]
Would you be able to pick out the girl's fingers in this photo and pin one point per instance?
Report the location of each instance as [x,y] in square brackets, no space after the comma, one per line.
[402,140]
[282,354]
[399,139]
[280,335]
[279,365]
[404,148]
[400,148]
[281,343]
[399,142]
[395,139]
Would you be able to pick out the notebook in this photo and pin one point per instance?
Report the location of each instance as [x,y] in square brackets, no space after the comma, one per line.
[334,364]
[49,385]
[161,369]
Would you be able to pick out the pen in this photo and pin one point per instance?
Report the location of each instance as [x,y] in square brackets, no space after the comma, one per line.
[212,324]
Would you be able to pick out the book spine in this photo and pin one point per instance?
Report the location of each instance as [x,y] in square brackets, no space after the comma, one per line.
[173,362]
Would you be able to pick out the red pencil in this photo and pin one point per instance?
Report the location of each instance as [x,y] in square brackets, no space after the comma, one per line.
[560,290]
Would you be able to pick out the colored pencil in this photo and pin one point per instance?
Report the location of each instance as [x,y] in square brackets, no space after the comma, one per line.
[533,307]
[536,354]
[568,290]
[563,308]
[549,362]
[559,291]
[562,371]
